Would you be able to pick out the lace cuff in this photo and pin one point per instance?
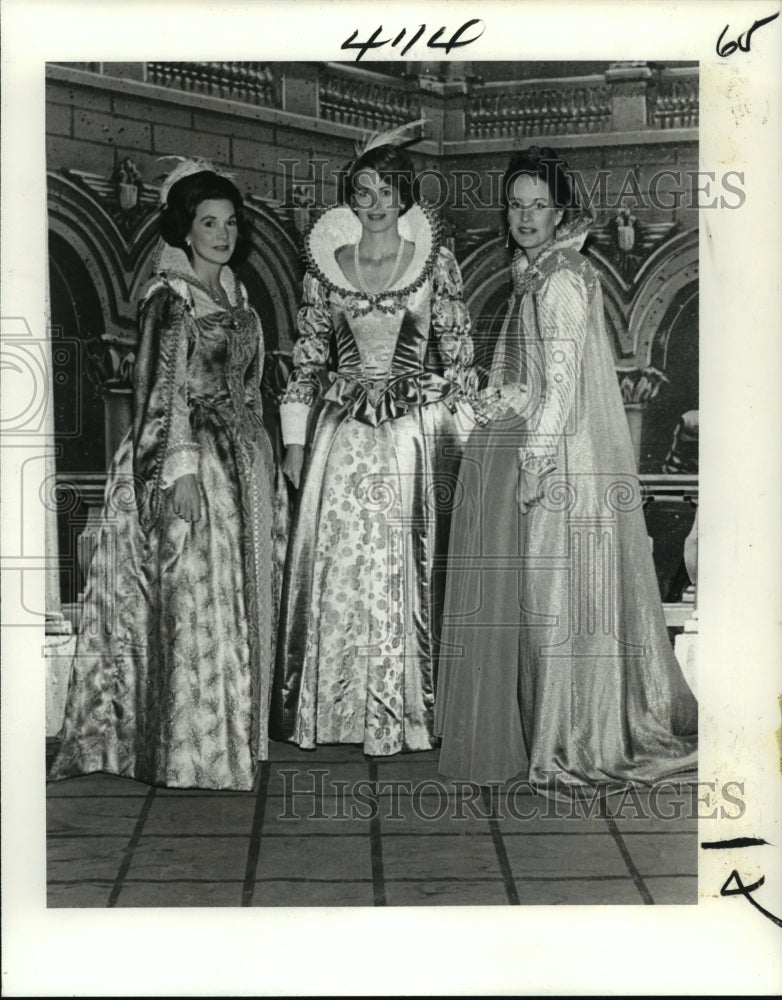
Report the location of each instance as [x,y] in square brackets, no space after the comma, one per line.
[293,418]
[181,461]
[537,464]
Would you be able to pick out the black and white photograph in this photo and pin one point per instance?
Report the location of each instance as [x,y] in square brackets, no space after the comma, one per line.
[359,528]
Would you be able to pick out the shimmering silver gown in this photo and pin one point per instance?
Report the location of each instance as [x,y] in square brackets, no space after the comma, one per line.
[556,662]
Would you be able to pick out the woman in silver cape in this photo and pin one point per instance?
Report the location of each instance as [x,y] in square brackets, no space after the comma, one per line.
[556,662]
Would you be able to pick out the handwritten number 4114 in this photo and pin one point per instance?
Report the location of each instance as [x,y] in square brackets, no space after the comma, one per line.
[456,41]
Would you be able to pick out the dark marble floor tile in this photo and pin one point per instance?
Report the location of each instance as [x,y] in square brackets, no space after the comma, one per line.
[89,859]
[673,854]
[663,811]
[578,892]
[73,815]
[198,857]
[200,815]
[180,894]
[330,815]
[334,857]
[300,784]
[83,894]
[673,890]
[280,893]
[586,854]
[438,857]
[446,892]
[426,814]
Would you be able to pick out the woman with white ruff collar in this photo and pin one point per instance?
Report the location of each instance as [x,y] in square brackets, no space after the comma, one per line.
[372,428]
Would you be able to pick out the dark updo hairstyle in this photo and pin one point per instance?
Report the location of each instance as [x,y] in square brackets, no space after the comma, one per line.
[391,164]
[549,167]
[186,195]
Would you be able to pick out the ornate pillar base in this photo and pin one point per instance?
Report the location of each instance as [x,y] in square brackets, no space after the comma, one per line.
[57,624]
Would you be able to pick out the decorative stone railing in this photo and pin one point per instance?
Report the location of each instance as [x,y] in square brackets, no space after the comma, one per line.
[628,97]
[367,100]
[673,102]
[539,108]
[247,82]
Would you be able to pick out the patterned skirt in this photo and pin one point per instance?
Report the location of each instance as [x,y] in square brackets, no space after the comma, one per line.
[171,676]
[364,583]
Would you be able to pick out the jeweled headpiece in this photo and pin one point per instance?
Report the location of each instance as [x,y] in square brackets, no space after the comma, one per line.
[184,168]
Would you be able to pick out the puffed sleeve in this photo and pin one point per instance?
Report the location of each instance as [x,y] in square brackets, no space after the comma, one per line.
[451,324]
[163,448]
[310,357]
[561,308]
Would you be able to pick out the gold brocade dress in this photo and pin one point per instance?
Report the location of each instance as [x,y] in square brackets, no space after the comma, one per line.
[171,677]
[377,379]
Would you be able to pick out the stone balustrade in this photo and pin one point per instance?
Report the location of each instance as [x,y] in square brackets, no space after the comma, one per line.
[627,96]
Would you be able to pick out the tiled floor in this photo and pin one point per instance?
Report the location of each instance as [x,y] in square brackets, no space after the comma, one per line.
[335,828]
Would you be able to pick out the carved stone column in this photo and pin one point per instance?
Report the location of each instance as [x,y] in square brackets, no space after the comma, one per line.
[638,387]
[119,359]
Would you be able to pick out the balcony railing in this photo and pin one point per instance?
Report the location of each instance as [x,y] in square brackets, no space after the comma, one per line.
[674,102]
[366,100]
[246,82]
[627,98]
[539,107]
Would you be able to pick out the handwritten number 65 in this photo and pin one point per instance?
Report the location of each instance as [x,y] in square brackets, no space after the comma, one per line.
[743,41]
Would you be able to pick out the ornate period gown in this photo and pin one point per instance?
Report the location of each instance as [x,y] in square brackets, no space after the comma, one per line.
[171,678]
[556,657]
[363,586]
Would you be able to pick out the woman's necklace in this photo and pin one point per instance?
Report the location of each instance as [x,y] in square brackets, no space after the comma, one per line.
[391,276]
[217,294]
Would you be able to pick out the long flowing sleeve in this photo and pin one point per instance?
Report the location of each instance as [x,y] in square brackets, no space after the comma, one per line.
[310,357]
[561,309]
[451,324]
[163,448]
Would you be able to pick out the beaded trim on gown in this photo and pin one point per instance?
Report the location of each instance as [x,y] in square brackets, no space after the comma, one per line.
[556,663]
[170,681]
[363,589]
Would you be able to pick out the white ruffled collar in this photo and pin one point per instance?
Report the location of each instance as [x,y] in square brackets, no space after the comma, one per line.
[338,227]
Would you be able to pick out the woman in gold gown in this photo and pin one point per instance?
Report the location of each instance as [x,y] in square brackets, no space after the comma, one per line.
[171,678]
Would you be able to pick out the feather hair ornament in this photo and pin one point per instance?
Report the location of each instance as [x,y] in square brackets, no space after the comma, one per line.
[391,137]
[184,168]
